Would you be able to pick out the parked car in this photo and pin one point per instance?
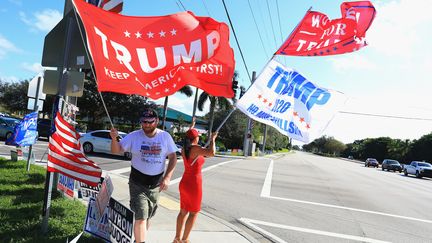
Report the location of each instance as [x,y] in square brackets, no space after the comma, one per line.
[44,127]
[7,125]
[371,162]
[419,169]
[391,164]
[99,141]
[350,157]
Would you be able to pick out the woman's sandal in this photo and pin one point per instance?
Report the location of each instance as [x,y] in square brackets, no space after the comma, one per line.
[177,241]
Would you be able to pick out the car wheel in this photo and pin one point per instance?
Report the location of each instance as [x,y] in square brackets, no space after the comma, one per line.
[400,171]
[88,147]
[405,173]
[8,135]
[382,168]
[418,175]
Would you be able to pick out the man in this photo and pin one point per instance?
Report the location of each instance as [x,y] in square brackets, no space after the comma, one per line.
[149,147]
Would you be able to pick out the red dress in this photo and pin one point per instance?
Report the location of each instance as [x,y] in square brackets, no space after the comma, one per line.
[191,185]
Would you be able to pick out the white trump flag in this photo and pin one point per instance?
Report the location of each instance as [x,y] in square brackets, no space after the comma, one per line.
[284,99]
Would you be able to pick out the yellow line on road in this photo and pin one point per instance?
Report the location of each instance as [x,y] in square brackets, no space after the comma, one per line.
[168,203]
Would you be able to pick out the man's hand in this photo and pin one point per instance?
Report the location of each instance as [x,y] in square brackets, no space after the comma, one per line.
[114,133]
[164,184]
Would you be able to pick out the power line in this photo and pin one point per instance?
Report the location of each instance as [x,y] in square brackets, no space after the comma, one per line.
[259,33]
[271,23]
[205,6]
[386,116]
[238,44]
[179,1]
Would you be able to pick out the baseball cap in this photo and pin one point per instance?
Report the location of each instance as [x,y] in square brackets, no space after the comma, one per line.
[148,114]
[192,133]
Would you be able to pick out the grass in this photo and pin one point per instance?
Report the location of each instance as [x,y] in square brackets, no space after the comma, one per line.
[21,203]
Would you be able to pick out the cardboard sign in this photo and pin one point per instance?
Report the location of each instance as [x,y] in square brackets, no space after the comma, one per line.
[88,192]
[121,222]
[104,196]
[98,228]
[66,185]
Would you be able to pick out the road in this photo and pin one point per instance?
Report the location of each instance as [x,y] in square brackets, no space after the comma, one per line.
[301,197]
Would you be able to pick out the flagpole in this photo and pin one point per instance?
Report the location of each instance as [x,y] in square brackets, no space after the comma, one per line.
[91,66]
[222,123]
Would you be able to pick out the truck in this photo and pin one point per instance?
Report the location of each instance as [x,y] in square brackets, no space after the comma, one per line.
[419,169]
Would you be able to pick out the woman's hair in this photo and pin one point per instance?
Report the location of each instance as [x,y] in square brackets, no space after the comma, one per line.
[187,144]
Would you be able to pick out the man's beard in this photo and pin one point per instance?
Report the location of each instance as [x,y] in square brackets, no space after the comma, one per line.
[149,130]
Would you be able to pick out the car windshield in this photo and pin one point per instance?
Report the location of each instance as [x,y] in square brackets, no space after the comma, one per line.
[424,164]
[11,122]
[392,162]
[372,160]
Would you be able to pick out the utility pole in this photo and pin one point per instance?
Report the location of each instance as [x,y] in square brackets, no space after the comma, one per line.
[35,108]
[248,131]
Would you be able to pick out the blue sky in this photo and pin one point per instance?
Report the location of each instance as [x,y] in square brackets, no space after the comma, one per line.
[389,77]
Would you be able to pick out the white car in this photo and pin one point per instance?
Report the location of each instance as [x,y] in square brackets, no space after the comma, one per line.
[99,141]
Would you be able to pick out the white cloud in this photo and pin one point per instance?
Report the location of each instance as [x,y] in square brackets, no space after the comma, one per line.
[9,78]
[352,62]
[6,46]
[42,21]
[34,67]
[16,2]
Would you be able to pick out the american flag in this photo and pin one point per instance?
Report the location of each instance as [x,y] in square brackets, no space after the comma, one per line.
[115,6]
[66,156]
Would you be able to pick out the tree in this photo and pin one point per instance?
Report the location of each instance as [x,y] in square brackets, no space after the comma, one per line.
[231,134]
[13,96]
[215,103]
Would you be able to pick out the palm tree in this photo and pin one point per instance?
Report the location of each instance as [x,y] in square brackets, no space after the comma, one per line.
[186,90]
[215,102]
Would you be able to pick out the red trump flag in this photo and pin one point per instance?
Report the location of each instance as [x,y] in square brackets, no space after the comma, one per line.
[156,56]
[317,35]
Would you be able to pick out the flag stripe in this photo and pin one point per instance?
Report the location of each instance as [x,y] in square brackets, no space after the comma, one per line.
[66,156]
[115,6]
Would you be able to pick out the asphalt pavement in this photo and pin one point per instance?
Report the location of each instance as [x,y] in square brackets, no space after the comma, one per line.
[208,228]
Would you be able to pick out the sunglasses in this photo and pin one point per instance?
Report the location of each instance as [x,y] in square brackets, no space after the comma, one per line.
[148,121]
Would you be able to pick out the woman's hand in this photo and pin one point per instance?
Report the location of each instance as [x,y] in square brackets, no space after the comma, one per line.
[214,136]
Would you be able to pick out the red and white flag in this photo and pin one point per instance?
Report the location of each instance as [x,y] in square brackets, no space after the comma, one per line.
[66,156]
[317,35]
[115,6]
[158,55]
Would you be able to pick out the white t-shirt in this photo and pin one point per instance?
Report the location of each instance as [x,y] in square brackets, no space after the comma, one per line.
[148,154]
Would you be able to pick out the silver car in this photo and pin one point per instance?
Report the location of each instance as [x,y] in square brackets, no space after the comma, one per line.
[7,125]
[99,141]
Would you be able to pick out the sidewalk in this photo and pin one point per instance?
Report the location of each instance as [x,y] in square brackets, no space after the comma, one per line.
[207,228]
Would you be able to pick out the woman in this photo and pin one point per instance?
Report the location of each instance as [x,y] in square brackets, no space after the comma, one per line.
[191,182]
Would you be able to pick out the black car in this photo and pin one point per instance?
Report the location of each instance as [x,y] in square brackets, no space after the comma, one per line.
[371,162]
[44,127]
[391,164]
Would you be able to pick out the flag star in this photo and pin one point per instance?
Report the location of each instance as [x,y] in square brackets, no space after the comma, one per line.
[327,50]
[147,94]
[321,52]
[150,34]
[307,126]
[301,119]
[173,32]
[259,96]
[157,93]
[335,48]
[138,35]
[127,34]
[270,104]
[178,80]
[162,33]
[174,85]
[166,90]
[295,113]
[265,100]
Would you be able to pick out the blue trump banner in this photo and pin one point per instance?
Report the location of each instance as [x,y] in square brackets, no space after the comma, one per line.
[284,99]
[25,133]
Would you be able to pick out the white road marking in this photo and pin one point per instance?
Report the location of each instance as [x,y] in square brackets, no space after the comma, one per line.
[252,224]
[121,170]
[352,209]
[265,192]
[177,180]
